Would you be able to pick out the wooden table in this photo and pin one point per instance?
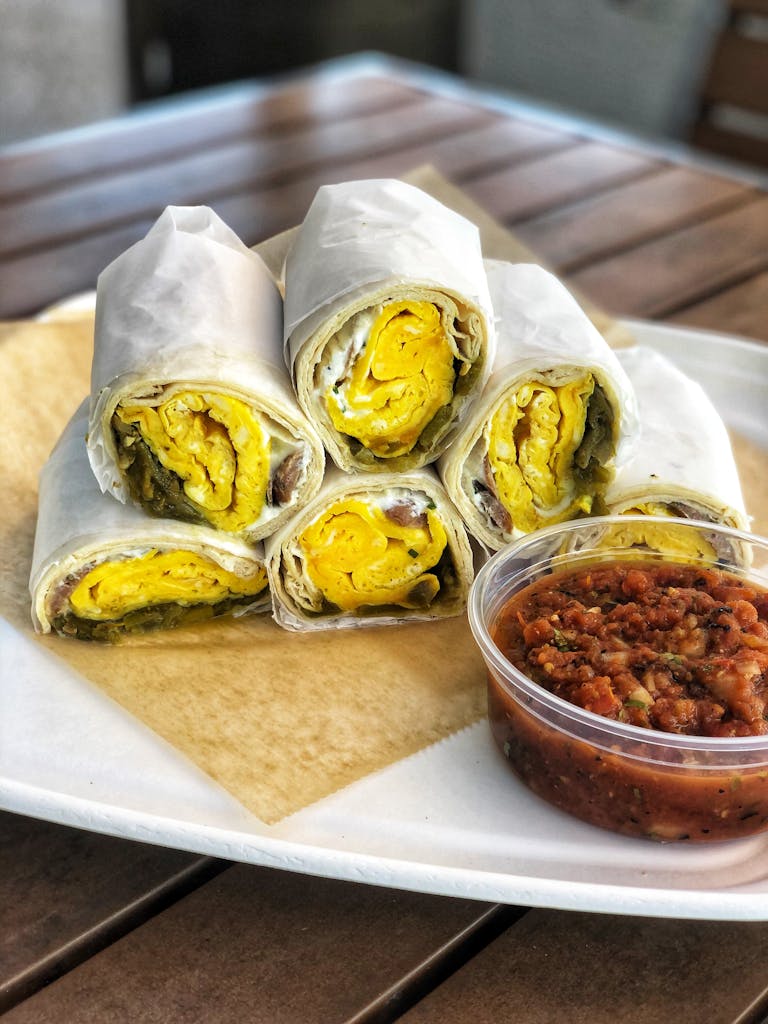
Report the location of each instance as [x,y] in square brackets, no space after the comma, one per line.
[106,930]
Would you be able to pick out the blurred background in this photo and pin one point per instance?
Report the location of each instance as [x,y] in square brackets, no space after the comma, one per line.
[694,71]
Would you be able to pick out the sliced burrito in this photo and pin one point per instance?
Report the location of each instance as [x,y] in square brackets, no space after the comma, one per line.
[387,322]
[193,414]
[556,415]
[370,550]
[101,569]
[683,466]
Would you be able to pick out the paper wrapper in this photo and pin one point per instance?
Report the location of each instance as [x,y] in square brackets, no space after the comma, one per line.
[189,307]
[542,336]
[684,456]
[291,587]
[365,244]
[312,712]
[78,526]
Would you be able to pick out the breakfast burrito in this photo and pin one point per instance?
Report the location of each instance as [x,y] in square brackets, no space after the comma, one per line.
[555,417]
[101,569]
[370,550]
[193,415]
[683,466]
[387,323]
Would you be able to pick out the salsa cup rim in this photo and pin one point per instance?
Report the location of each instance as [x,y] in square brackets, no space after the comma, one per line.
[507,675]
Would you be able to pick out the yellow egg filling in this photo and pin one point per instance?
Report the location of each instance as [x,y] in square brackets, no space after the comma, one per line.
[403,376]
[113,589]
[217,447]
[683,544]
[531,442]
[358,556]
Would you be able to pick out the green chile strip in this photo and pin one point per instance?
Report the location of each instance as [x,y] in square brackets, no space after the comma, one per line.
[159,491]
[145,620]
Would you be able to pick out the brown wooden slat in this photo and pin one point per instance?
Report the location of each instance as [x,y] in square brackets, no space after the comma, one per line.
[736,145]
[85,208]
[467,154]
[516,193]
[158,131]
[36,279]
[65,892]
[686,267]
[594,969]
[742,309]
[629,215]
[258,945]
[749,6]
[738,73]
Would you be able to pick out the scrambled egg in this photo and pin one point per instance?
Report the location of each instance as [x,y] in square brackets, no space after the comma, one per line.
[113,589]
[216,445]
[398,382]
[683,544]
[531,442]
[356,556]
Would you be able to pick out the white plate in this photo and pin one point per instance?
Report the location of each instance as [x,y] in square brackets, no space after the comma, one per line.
[450,820]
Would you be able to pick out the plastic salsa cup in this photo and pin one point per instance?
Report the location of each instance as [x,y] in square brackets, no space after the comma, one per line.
[626,778]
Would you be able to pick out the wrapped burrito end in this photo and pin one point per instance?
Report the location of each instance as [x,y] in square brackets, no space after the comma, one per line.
[683,466]
[370,554]
[555,417]
[105,597]
[387,363]
[102,569]
[193,416]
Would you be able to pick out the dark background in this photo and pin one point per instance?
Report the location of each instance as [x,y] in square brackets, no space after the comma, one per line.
[176,45]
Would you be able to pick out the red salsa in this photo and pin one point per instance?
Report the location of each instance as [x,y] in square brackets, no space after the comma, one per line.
[661,645]
[669,647]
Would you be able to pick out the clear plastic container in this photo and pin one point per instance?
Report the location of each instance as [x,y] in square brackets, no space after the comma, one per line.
[633,780]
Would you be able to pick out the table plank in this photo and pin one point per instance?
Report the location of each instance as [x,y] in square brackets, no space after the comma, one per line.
[156,131]
[259,945]
[742,309]
[629,215]
[664,275]
[66,892]
[520,192]
[594,969]
[84,208]
[36,278]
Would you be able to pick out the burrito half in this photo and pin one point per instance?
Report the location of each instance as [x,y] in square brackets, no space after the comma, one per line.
[371,551]
[683,467]
[101,569]
[387,322]
[558,412]
[193,415]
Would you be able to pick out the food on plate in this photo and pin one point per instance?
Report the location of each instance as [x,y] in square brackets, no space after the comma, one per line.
[102,569]
[193,414]
[556,415]
[387,322]
[683,465]
[370,551]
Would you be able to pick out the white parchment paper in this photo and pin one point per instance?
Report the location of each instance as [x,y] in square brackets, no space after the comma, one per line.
[684,453]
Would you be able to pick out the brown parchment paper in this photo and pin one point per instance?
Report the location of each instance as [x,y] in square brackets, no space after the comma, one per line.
[279,720]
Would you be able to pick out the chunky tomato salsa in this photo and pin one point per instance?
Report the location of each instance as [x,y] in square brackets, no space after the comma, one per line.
[660,645]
